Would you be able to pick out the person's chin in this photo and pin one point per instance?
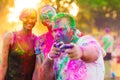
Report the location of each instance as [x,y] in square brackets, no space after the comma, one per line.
[29,27]
[46,24]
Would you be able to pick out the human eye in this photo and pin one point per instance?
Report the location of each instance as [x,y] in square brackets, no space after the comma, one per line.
[43,16]
[50,14]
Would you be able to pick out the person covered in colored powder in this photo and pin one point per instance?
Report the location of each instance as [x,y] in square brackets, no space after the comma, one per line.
[72,57]
[107,44]
[44,42]
[18,58]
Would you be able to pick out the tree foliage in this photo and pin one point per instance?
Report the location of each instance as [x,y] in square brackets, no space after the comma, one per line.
[102,12]
[100,3]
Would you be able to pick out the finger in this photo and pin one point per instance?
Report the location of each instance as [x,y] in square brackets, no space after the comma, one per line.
[74,58]
[58,44]
[54,54]
[70,55]
[57,54]
[69,51]
[55,49]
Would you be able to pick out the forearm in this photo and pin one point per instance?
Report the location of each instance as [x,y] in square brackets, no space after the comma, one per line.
[3,72]
[46,72]
[3,66]
[5,51]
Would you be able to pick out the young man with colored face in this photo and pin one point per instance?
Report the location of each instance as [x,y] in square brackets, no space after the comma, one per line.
[77,58]
[18,58]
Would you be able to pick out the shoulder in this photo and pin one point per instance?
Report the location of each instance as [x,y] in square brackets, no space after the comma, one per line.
[35,36]
[8,38]
[43,37]
[87,39]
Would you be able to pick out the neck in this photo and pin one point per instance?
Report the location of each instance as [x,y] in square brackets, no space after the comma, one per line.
[49,27]
[49,30]
[26,32]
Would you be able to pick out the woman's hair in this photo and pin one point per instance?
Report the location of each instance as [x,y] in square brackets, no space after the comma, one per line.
[26,11]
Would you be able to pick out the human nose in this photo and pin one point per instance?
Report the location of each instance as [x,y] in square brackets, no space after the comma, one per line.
[58,34]
[31,20]
[47,17]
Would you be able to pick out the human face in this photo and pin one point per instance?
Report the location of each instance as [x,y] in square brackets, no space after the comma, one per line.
[29,19]
[63,31]
[47,13]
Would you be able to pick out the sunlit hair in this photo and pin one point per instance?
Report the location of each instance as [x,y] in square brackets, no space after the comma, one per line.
[63,15]
[48,7]
[26,11]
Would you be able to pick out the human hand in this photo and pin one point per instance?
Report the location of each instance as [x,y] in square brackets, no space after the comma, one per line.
[74,52]
[55,51]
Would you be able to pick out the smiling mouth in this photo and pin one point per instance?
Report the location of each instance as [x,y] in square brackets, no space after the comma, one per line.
[30,24]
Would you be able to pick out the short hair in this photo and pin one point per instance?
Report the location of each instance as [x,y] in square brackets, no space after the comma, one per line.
[45,6]
[62,15]
[25,12]
[48,6]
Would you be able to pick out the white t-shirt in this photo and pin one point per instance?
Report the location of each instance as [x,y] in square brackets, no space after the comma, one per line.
[95,70]
[66,69]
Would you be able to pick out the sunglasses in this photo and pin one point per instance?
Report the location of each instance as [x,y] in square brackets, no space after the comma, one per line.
[48,15]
